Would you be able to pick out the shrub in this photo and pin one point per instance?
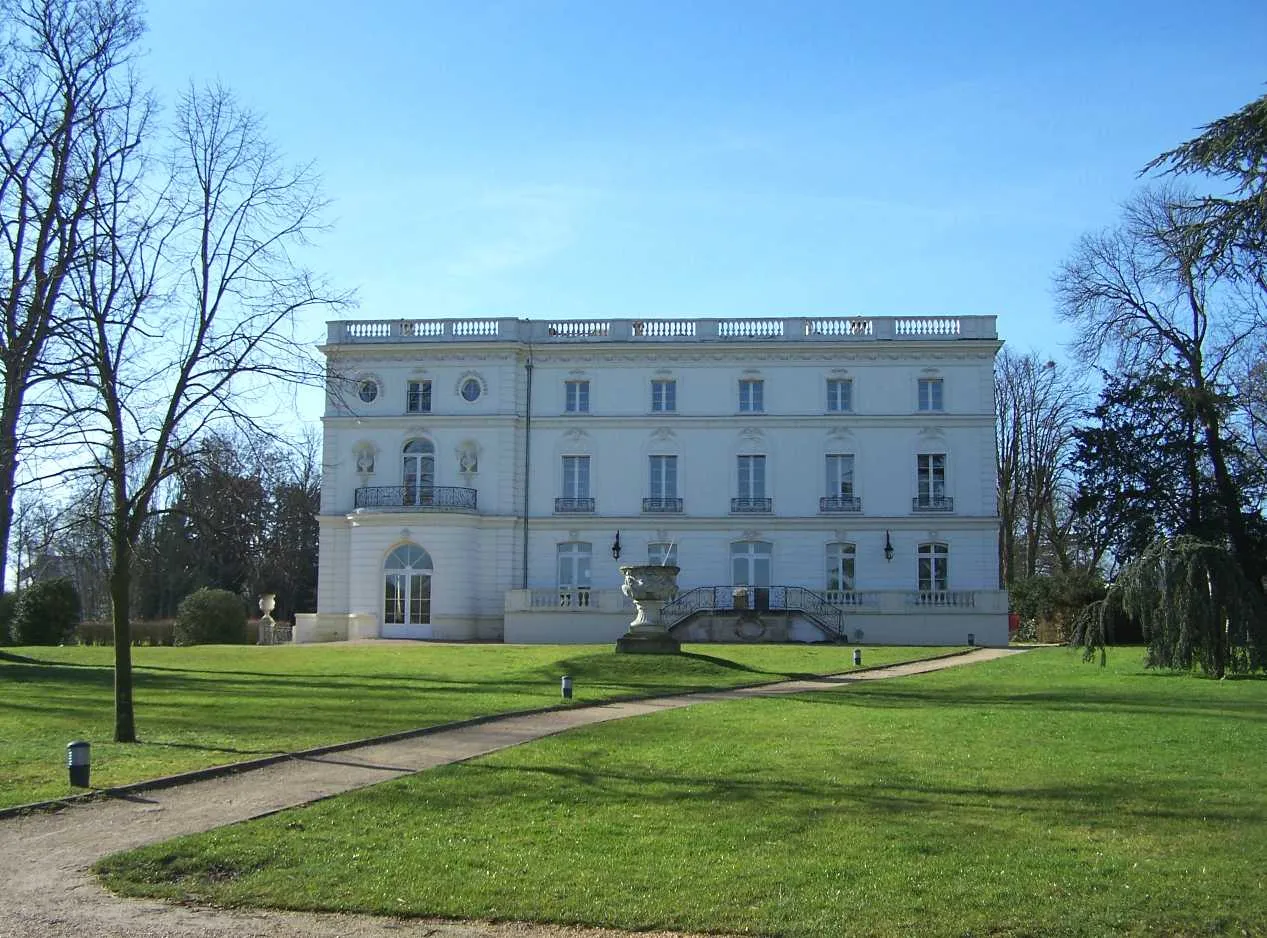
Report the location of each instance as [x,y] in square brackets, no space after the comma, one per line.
[46,612]
[211,617]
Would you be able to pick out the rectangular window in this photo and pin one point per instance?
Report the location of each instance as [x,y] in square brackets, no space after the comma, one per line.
[664,396]
[840,570]
[576,477]
[662,553]
[418,398]
[752,477]
[839,395]
[933,571]
[840,475]
[664,477]
[574,574]
[578,397]
[750,395]
[930,394]
[931,469]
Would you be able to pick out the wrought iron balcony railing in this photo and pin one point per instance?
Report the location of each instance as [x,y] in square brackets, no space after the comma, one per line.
[417,497]
[662,505]
[932,503]
[752,505]
[574,506]
[832,503]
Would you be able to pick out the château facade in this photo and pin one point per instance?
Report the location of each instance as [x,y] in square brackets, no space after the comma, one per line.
[813,478]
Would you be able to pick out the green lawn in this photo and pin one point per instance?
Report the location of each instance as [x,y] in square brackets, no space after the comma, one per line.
[1033,796]
[197,707]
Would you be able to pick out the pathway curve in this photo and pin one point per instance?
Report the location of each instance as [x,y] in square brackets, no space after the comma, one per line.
[46,888]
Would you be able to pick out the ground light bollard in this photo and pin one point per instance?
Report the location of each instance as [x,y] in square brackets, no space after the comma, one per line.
[857,657]
[79,761]
[565,685]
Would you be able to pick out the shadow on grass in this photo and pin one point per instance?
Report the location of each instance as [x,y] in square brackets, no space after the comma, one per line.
[888,794]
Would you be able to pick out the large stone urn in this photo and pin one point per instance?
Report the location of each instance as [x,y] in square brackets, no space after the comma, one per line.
[650,586]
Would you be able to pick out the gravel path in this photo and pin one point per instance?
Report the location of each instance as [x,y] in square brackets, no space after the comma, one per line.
[46,888]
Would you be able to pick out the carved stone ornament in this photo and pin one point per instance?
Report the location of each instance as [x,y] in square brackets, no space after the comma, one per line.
[661,434]
[752,434]
[650,586]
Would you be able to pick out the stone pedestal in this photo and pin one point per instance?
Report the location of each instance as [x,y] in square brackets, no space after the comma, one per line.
[650,586]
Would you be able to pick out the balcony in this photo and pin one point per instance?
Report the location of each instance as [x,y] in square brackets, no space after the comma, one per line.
[836,503]
[932,503]
[416,498]
[574,506]
[751,506]
[662,506]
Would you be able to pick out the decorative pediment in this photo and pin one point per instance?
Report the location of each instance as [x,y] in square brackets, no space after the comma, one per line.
[752,435]
[575,435]
[663,434]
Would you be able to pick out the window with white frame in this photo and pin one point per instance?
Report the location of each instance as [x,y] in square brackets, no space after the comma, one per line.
[751,395]
[839,395]
[840,571]
[662,552]
[664,395]
[930,394]
[751,477]
[663,479]
[840,475]
[418,397]
[418,472]
[933,573]
[574,573]
[931,481]
[576,477]
[750,563]
[577,397]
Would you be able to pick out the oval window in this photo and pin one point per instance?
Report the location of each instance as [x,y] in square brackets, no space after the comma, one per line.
[368,391]
[471,390]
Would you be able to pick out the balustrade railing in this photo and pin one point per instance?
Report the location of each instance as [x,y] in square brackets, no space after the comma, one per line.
[417,497]
[662,505]
[817,607]
[833,503]
[574,506]
[932,503]
[751,505]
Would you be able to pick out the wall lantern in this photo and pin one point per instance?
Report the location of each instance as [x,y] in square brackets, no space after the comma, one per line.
[888,547]
[616,547]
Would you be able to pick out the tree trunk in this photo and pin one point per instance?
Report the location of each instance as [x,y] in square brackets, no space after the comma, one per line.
[120,599]
[8,472]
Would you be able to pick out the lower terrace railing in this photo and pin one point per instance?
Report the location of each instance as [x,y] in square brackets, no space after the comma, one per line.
[417,497]
[817,607]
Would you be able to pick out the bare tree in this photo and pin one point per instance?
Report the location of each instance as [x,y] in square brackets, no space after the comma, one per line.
[1037,408]
[1152,294]
[188,311]
[64,70]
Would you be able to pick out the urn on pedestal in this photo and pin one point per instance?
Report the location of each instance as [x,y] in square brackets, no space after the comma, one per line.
[650,586]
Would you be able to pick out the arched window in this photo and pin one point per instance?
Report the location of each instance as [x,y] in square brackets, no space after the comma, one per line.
[407,586]
[419,473]
[934,576]
[840,572]
[750,563]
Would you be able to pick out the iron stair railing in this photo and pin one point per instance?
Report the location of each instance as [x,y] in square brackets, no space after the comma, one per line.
[825,614]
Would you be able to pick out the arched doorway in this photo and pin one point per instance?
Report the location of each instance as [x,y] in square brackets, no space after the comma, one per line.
[407,593]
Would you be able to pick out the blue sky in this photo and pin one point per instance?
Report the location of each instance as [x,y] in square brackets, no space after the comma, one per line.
[567,158]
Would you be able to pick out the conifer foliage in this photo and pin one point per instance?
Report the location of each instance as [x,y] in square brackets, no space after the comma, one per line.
[1194,604]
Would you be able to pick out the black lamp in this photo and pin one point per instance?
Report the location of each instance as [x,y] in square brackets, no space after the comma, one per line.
[888,547]
[616,547]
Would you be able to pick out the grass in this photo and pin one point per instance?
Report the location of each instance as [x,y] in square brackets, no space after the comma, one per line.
[210,705]
[1031,796]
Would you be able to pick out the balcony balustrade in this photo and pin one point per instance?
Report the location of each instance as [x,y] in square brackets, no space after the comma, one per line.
[834,503]
[417,498]
[662,505]
[744,506]
[577,506]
